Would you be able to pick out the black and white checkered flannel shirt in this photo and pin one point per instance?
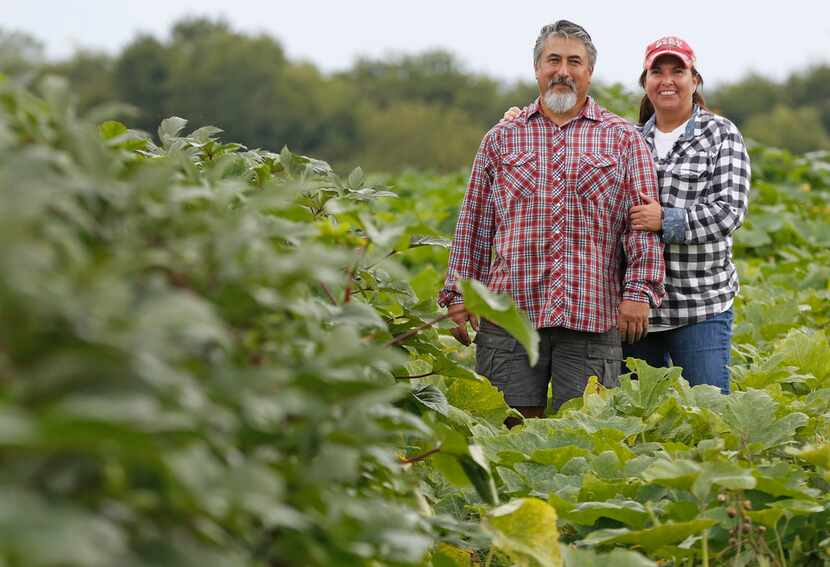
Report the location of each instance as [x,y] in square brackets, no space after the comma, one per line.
[704,191]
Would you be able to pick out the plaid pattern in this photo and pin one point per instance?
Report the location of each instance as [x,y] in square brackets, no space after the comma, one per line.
[545,219]
[704,190]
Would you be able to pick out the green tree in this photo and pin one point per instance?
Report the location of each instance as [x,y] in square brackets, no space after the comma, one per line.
[812,88]
[140,76]
[752,95]
[414,134]
[797,129]
[19,52]
[91,74]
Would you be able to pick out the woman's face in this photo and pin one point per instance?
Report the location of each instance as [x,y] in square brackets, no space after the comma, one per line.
[670,85]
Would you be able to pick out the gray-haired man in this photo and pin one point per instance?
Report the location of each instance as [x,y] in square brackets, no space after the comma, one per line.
[545,219]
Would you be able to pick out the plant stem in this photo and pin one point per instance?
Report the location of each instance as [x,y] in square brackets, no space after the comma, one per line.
[778,541]
[347,295]
[421,457]
[739,543]
[401,338]
[424,375]
[329,294]
[705,545]
[489,557]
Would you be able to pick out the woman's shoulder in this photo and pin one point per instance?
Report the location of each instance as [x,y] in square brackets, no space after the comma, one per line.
[717,124]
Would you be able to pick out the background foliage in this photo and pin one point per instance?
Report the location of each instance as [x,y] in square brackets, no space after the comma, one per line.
[425,111]
[211,355]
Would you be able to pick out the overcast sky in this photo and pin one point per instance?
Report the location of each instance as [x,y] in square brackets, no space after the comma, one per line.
[731,38]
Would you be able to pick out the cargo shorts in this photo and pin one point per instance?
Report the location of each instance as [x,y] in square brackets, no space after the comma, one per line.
[566,360]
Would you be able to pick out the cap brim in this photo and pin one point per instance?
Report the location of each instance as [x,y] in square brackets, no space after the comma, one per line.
[687,62]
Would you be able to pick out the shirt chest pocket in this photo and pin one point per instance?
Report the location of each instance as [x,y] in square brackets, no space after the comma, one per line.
[691,171]
[596,175]
[520,174]
[687,182]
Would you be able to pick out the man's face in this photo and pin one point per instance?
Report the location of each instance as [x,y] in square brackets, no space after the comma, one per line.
[563,73]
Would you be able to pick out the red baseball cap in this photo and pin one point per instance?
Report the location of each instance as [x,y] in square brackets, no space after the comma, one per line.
[671,45]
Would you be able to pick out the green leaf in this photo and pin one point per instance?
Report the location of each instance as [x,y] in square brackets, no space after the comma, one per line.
[431,397]
[446,555]
[479,398]
[170,128]
[575,557]
[477,469]
[628,512]
[673,474]
[751,416]
[727,475]
[818,456]
[357,178]
[525,529]
[649,538]
[111,129]
[499,309]
[643,396]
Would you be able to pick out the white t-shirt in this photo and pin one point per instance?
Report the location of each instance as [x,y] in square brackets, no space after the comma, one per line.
[664,141]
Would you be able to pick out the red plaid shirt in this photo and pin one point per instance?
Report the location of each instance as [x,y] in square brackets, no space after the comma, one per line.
[545,219]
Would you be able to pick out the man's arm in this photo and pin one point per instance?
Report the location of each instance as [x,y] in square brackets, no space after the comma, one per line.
[645,270]
[472,244]
[726,199]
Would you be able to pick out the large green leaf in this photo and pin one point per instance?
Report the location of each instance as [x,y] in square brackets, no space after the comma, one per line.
[641,397]
[575,557]
[649,538]
[753,422]
[500,310]
[525,529]
[628,512]
[480,398]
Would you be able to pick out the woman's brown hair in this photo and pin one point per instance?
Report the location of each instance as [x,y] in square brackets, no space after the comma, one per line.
[647,109]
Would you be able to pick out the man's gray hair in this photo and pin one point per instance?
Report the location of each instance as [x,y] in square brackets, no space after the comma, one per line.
[566,30]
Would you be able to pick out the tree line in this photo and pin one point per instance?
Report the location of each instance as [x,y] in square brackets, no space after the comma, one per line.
[424,110]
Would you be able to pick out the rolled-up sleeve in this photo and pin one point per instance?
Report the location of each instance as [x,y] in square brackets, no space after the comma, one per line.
[645,270]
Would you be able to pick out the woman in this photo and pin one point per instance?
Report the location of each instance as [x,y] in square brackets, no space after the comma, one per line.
[703,172]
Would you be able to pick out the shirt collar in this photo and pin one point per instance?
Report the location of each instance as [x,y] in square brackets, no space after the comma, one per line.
[590,110]
[689,132]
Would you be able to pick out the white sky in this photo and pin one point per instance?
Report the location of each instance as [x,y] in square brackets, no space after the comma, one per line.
[730,38]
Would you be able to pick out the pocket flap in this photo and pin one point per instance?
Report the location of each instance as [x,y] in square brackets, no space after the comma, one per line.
[517,158]
[599,160]
[690,170]
[496,341]
[606,352]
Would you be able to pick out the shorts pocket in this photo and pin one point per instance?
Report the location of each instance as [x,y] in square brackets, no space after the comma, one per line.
[520,172]
[606,362]
[597,175]
[495,353]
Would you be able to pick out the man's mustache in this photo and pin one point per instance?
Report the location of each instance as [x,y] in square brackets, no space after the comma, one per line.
[562,80]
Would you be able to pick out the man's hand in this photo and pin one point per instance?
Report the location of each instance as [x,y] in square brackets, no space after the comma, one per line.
[511,114]
[458,313]
[633,320]
[646,217]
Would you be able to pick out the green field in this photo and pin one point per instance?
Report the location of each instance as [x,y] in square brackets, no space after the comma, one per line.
[211,355]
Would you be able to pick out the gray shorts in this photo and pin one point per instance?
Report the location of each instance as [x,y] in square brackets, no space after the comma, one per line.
[566,360]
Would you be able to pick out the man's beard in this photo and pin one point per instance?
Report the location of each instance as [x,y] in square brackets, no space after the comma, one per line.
[560,103]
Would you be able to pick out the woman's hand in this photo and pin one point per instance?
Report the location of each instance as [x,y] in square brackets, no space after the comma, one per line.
[646,217]
[512,114]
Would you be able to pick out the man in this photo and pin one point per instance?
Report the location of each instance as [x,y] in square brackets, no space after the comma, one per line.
[545,220]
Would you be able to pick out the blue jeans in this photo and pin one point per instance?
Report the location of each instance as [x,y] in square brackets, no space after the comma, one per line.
[701,349]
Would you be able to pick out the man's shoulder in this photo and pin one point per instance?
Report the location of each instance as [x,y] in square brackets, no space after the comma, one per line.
[506,130]
[611,120]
